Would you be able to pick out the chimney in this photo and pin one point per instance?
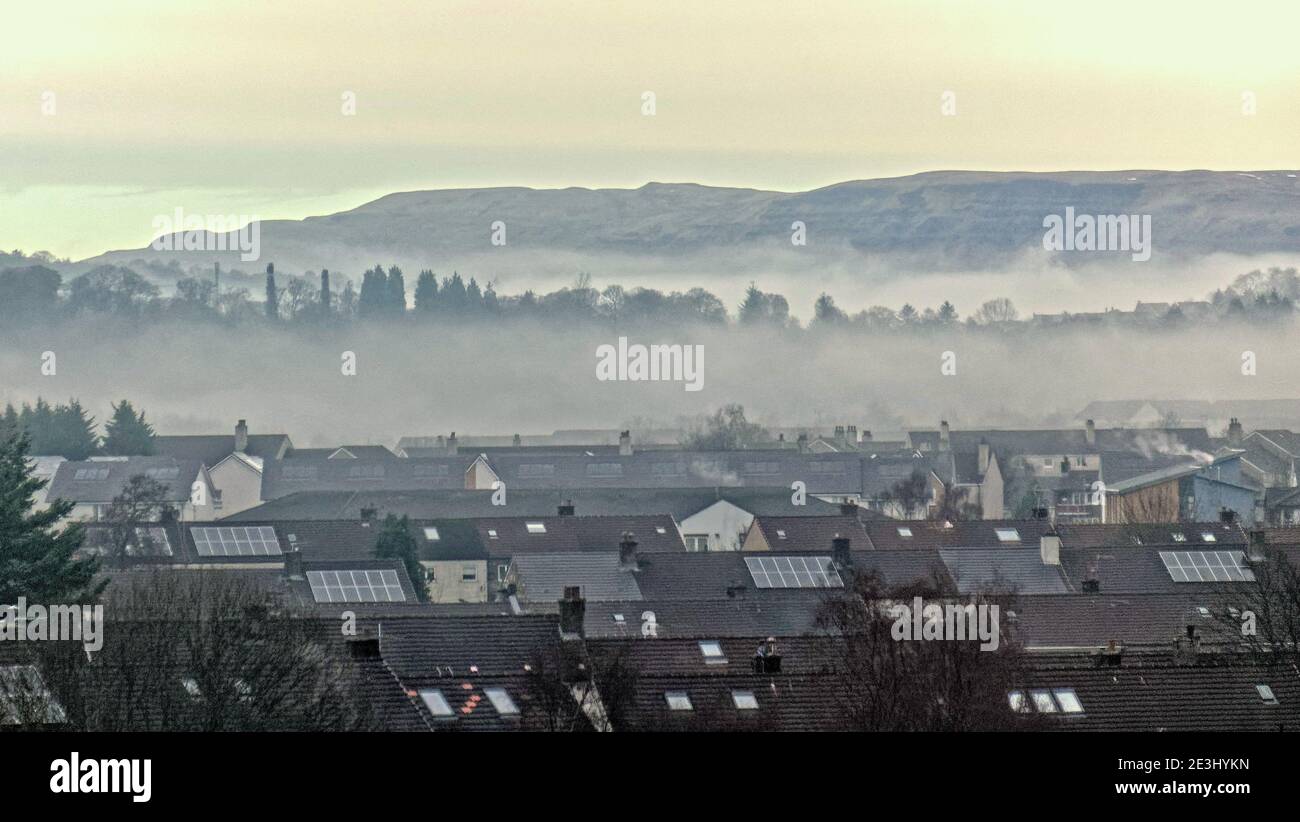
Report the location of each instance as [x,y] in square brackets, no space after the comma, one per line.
[1112,655]
[241,436]
[943,435]
[1091,584]
[849,509]
[293,564]
[1255,551]
[363,647]
[1049,548]
[1234,433]
[803,443]
[452,446]
[839,433]
[517,441]
[851,434]
[984,456]
[1227,516]
[866,436]
[627,553]
[625,444]
[840,551]
[573,609]
[1090,433]
[565,508]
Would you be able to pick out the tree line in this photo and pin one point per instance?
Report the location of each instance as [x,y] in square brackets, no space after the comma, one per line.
[68,431]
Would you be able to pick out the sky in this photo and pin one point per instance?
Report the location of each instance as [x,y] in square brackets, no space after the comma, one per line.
[114,113]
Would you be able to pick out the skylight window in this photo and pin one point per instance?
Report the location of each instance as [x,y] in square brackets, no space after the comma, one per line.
[191,686]
[679,701]
[436,702]
[1179,536]
[431,534]
[906,533]
[501,701]
[492,533]
[1266,694]
[1007,534]
[744,700]
[1043,701]
[1017,701]
[780,534]
[535,527]
[713,654]
[659,529]
[1068,700]
[1208,537]
[619,618]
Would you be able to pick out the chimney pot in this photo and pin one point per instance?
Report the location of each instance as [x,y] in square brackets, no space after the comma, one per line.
[452,446]
[625,444]
[573,610]
[627,560]
[565,509]
[943,435]
[1090,432]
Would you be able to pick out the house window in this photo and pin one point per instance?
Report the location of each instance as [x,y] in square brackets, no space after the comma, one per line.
[1043,702]
[679,701]
[535,527]
[431,534]
[780,534]
[1266,694]
[1017,701]
[1007,534]
[744,700]
[905,533]
[492,533]
[697,542]
[502,570]
[468,573]
[1068,700]
[713,654]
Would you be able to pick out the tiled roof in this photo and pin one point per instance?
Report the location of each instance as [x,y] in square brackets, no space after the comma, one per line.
[211,449]
[1127,536]
[1003,569]
[961,534]
[811,533]
[511,536]
[176,475]
[543,577]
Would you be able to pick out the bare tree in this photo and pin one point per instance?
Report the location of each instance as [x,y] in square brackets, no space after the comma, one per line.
[143,500]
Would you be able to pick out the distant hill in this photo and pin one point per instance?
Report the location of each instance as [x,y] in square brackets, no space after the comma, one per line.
[947,219]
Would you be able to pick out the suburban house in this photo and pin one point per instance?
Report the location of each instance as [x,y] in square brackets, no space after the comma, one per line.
[1190,491]
[93,484]
[234,463]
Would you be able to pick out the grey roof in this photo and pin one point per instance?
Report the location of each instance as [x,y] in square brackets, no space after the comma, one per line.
[176,475]
[1021,571]
[544,577]
[1067,440]
[283,477]
[211,449]
[680,503]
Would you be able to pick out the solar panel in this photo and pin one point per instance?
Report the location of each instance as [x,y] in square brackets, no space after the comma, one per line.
[355,586]
[153,541]
[1207,566]
[255,541]
[794,572]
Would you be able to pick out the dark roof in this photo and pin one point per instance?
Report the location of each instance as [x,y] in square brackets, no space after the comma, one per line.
[961,534]
[176,475]
[811,533]
[211,449]
[1163,692]
[1116,536]
[510,536]
[343,452]
[283,477]
[459,503]
[543,577]
[1091,622]
[1068,441]
[1003,569]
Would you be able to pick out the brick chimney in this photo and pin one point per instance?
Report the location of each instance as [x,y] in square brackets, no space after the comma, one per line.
[565,509]
[803,443]
[241,436]
[984,456]
[625,444]
[627,560]
[573,610]
[1235,434]
[1255,549]
[517,441]
[293,564]
[851,435]
[943,435]
[452,446]
[1090,433]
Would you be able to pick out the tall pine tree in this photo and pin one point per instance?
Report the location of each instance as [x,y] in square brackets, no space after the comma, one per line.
[127,434]
[36,557]
[396,291]
[272,294]
[395,542]
[426,292]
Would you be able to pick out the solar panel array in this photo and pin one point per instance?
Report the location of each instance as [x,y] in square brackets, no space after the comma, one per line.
[1207,566]
[256,541]
[355,586]
[794,572]
[153,541]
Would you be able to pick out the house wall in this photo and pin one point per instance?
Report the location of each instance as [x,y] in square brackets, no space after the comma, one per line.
[1211,497]
[1155,503]
[725,525]
[240,485]
[991,492]
[480,477]
[447,581]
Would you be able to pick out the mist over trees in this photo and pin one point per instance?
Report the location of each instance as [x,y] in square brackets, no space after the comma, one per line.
[68,431]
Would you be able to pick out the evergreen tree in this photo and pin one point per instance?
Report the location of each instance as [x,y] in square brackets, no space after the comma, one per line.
[374,293]
[754,308]
[36,556]
[72,433]
[491,306]
[453,295]
[127,434]
[396,291]
[947,313]
[473,297]
[325,292]
[272,294]
[395,542]
[426,292]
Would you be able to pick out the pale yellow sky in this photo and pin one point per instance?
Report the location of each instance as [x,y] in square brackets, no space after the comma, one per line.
[236,107]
